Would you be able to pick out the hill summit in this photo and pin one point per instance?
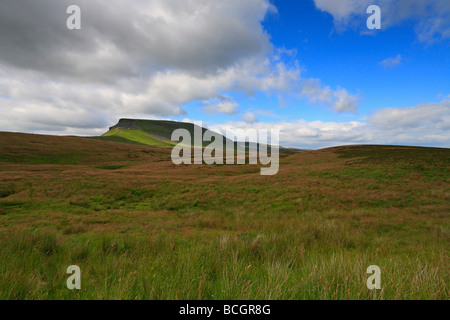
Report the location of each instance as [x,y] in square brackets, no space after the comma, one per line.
[157,133]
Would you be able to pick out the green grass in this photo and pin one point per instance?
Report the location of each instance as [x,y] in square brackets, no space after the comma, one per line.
[154,133]
[118,138]
[324,260]
[140,137]
[111,167]
[141,228]
[158,133]
[64,159]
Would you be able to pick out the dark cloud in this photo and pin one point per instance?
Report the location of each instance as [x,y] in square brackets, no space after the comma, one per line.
[140,57]
[123,38]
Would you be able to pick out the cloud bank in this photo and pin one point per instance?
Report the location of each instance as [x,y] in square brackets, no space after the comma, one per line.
[423,125]
[431,18]
[152,58]
[147,58]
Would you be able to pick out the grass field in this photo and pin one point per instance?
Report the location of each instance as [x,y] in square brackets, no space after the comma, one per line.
[140,227]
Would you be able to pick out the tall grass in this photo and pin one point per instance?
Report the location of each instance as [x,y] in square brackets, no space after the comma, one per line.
[145,229]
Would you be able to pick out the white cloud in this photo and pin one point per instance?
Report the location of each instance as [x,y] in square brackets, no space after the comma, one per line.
[428,115]
[144,57]
[223,105]
[249,117]
[343,10]
[119,37]
[392,62]
[423,125]
[432,18]
[148,58]
[345,102]
[340,100]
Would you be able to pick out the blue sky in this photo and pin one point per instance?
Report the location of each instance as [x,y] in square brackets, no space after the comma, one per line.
[350,59]
[309,68]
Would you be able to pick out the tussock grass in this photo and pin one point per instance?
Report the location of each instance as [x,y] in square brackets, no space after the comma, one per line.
[164,266]
[142,228]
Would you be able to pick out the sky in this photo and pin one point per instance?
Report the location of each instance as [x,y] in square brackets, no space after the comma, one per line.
[310,68]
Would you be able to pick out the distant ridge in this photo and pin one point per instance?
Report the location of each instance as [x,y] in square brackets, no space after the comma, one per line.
[156,133]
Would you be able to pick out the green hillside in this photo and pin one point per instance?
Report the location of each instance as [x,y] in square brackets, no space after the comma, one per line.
[140,227]
[154,133]
[158,133]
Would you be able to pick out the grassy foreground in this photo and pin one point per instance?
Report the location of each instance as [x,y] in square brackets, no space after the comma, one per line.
[140,227]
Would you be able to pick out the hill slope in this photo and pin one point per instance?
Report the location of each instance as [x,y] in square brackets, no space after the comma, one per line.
[144,228]
[22,148]
[158,133]
[155,133]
